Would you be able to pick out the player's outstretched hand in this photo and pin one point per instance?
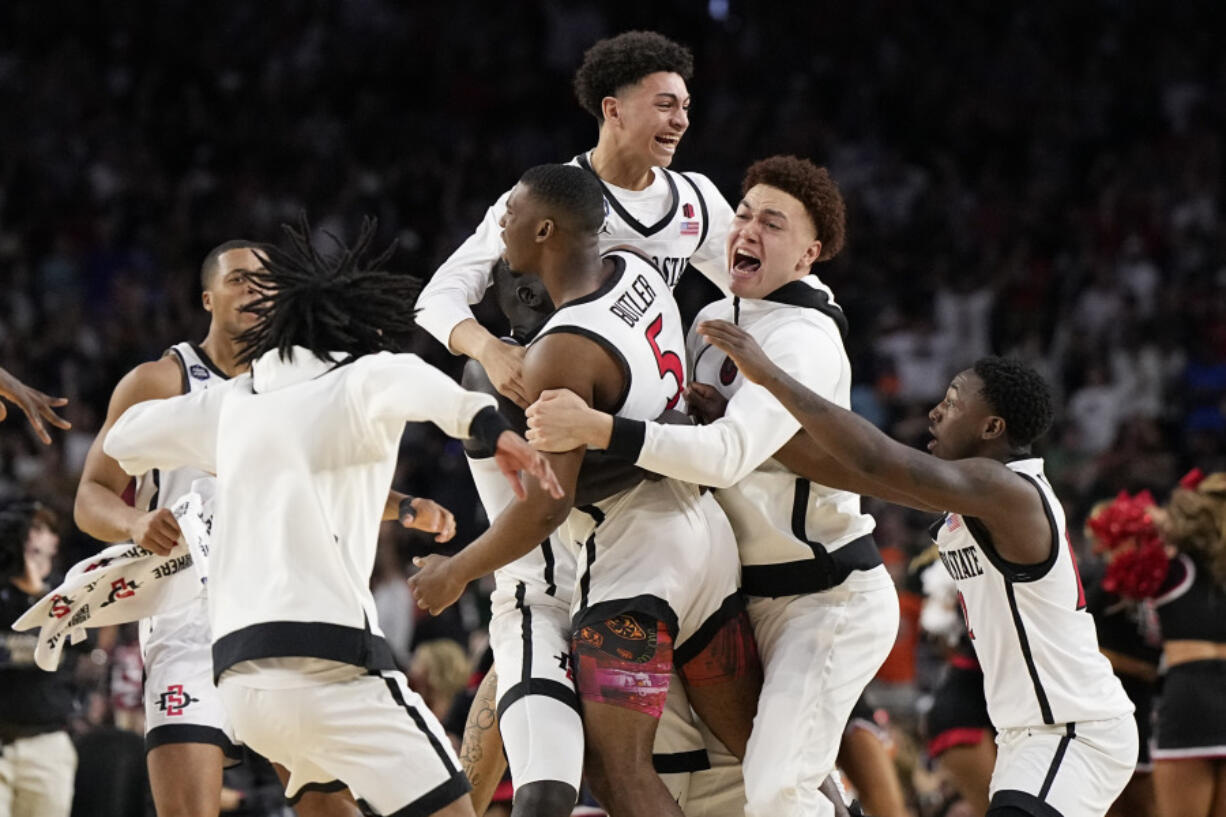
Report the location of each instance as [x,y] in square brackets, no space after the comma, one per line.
[36,405]
[560,420]
[504,365]
[745,352]
[514,455]
[157,531]
[419,513]
[433,585]
[705,403]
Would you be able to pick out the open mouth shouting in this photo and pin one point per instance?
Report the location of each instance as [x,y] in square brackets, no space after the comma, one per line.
[668,141]
[745,263]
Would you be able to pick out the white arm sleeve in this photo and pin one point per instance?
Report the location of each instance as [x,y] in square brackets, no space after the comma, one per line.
[711,257]
[463,278]
[395,389]
[755,425]
[172,433]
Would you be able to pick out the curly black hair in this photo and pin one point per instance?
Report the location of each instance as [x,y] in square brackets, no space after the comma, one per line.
[336,304]
[811,186]
[1019,395]
[613,63]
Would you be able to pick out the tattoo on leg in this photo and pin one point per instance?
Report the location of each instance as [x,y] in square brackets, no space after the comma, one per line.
[482,717]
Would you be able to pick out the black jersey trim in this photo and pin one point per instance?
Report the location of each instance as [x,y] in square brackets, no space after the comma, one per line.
[525,621]
[1014,571]
[647,603]
[545,687]
[207,361]
[702,207]
[615,277]
[825,570]
[731,607]
[585,581]
[156,476]
[302,639]
[393,686]
[1070,732]
[551,587]
[696,760]
[1024,801]
[185,385]
[444,794]
[331,787]
[634,223]
[609,347]
[798,293]
[1024,642]
[192,733]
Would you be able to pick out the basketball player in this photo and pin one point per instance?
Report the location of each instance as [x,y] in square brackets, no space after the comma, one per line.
[36,405]
[311,435]
[188,736]
[614,338]
[823,607]
[634,85]
[1066,738]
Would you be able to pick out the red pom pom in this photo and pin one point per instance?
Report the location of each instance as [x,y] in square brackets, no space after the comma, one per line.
[1137,561]
[1192,480]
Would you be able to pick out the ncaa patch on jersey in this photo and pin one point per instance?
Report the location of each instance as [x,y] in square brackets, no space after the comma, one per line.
[199,372]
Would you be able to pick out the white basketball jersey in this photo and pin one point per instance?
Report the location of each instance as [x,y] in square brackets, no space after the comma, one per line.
[633,316]
[156,488]
[671,239]
[1034,638]
[159,489]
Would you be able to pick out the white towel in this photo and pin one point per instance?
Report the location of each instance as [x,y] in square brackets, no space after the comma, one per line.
[125,582]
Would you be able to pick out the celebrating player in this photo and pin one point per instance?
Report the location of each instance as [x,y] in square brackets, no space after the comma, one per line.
[1067,743]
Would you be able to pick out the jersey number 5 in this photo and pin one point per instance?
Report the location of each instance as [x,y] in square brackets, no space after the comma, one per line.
[667,362]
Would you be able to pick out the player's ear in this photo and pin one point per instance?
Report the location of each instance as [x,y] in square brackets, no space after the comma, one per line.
[206,299]
[810,256]
[544,230]
[993,427]
[609,109]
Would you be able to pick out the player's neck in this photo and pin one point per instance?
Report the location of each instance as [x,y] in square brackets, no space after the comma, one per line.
[574,274]
[223,351]
[619,168]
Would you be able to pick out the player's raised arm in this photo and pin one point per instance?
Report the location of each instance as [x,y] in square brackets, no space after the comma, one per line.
[975,486]
[562,361]
[169,433]
[38,407]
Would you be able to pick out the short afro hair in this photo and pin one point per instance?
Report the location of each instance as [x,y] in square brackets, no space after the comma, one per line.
[811,186]
[1019,395]
[570,195]
[612,64]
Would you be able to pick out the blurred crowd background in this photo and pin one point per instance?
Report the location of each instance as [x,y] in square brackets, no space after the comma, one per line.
[1043,182]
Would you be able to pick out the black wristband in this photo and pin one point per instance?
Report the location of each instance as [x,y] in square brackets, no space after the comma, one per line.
[405,508]
[488,426]
[626,439]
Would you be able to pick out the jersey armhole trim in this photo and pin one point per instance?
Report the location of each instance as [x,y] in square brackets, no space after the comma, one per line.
[613,351]
[184,382]
[1014,571]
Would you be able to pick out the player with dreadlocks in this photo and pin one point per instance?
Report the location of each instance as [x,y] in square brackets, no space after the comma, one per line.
[1066,739]
[304,446]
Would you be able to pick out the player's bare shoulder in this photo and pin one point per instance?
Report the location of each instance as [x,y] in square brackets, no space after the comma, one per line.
[154,380]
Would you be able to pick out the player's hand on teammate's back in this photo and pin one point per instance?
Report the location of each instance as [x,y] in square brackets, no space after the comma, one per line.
[434,586]
[560,420]
[36,405]
[739,345]
[428,516]
[705,403]
[514,455]
[157,531]
[504,365]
